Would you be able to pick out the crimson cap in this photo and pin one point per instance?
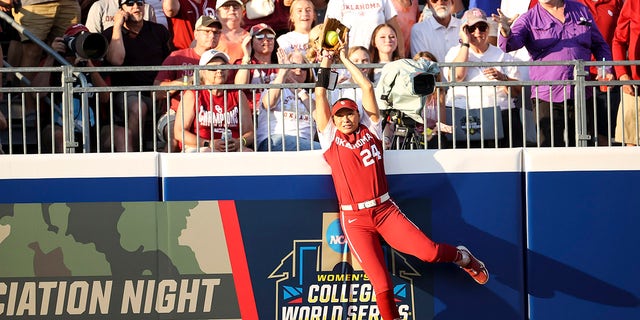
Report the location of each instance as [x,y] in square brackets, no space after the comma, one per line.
[75,29]
[344,103]
[259,28]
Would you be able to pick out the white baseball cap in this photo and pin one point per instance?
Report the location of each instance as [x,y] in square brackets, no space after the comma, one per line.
[208,55]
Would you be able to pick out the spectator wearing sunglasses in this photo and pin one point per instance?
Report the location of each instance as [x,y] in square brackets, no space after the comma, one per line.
[437,34]
[230,13]
[182,15]
[490,7]
[475,46]
[258,48]
[205,117]
[102,12]
[133,42]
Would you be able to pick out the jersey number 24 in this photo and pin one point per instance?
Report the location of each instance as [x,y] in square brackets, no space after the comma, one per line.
[370,155]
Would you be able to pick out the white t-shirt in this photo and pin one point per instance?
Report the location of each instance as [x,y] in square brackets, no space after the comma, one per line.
[260,76]
[510,8]
[294,40]
[361,17]
[101,13]
[157,9]
[431,36]
[480,96]
[290,117]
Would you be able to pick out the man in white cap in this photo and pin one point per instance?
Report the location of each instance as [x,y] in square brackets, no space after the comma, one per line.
[207,33]
[214,119]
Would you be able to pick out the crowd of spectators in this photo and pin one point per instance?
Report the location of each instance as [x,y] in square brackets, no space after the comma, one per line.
[180,32]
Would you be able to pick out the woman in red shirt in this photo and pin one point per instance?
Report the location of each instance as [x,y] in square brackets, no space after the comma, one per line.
[205,116]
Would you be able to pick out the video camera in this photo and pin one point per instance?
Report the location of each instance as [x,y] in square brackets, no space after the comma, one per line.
[87,45]
[405,84]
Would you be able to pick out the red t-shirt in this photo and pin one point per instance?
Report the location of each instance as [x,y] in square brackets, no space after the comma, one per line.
[183,23]
[356,161]
[211,113]
[605,13]
[626,42]
[184,57]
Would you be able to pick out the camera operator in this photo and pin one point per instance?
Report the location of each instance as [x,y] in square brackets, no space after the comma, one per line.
[405,89]
[53,136]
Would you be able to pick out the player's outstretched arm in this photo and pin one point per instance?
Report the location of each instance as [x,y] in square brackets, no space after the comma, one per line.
[369,103]
[323,110]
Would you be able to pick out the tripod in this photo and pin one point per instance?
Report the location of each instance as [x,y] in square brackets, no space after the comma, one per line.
[407,134]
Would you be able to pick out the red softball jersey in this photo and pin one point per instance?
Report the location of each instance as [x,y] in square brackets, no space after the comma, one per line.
[356,161]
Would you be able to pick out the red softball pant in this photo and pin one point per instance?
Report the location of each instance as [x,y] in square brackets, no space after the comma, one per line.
[363,228]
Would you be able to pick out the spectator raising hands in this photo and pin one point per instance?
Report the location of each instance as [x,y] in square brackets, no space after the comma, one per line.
[284,121]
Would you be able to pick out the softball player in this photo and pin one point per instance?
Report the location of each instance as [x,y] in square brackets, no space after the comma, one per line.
[352,146]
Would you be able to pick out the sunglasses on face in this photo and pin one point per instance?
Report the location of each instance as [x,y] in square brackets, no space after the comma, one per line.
[436,1]
[481,26]
[262,36]
[130,3]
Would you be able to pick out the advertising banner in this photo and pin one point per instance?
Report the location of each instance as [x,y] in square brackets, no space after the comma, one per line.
[126,260]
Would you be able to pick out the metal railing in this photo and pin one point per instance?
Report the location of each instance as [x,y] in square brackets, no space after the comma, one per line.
[25,134]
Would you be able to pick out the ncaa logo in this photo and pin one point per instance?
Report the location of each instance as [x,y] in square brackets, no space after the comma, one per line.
[335,238]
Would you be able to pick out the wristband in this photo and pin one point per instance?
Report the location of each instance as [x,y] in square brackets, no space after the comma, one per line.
[465,44]
[323,78]
[244,141]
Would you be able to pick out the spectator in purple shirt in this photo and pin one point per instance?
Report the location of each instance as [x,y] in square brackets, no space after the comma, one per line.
[555,30]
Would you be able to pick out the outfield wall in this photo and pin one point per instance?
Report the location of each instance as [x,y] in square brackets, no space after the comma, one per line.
[255,236]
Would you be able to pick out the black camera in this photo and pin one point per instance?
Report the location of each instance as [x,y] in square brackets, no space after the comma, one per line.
[87,45]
